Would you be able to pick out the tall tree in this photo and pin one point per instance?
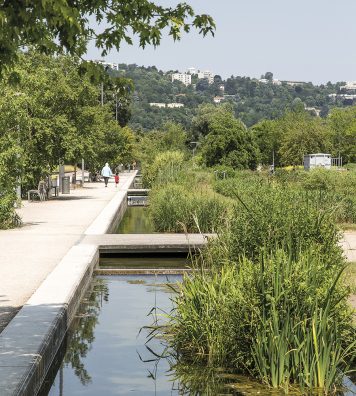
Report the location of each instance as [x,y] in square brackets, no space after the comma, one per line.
[343,127]
[302,134]
[57,25]
[229,142]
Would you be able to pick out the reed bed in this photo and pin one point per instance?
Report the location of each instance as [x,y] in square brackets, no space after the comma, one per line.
[268,297]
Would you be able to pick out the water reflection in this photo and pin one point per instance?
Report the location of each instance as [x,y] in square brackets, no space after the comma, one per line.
[106,354]
[136,220]
[104,347]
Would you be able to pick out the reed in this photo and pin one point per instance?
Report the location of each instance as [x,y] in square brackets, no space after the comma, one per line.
[283,321]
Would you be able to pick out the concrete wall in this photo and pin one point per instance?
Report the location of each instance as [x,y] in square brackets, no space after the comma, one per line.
[30,342]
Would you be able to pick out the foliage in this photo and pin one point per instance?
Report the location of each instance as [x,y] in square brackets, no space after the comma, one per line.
[178,208]
[267,297]
[343,125]
[170,137]
[283,321]
[252,101]
[302,134]
[42,126]
[228,142]
[165,168]
[56,26]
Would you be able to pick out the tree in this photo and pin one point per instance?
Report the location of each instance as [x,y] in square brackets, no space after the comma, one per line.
[268,76]
[343,126]
[302,134]
[229,142]
[267,137]
[54,26]
[202,85]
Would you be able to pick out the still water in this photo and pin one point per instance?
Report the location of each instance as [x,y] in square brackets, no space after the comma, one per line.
[106,352]
[136,221]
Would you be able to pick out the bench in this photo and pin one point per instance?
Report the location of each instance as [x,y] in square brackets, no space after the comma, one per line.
[41,191]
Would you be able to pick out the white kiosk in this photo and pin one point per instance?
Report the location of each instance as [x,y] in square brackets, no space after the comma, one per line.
[318,160]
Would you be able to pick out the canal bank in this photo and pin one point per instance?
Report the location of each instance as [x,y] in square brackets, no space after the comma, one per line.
[45,268]
[28,344]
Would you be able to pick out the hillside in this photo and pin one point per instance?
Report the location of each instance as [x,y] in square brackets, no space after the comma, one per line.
[251,99]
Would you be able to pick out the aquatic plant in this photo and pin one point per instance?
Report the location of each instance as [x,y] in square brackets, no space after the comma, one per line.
[284,321]
[176,208]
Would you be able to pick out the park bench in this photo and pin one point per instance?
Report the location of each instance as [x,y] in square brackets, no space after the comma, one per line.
[41,191]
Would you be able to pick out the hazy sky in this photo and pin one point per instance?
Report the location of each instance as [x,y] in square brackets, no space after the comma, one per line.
[308,40]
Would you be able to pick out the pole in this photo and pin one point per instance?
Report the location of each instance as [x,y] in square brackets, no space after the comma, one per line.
[60,175]
[102,94]
[82,171]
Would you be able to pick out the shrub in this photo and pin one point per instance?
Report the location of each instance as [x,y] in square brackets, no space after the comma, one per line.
[8,216]
[285,321]
[165,168]
[175,208]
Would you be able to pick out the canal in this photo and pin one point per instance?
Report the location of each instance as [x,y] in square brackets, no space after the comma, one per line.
[106,350]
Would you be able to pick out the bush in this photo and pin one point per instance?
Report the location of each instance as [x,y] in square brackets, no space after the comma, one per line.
[285,321]
[164,169]
[8,216]
[175,208]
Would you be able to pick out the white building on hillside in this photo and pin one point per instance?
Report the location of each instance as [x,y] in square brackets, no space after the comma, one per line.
[155,104]
[192,70]
[110,65]
[349,87]
[207,75]
[185,78]
[175,105]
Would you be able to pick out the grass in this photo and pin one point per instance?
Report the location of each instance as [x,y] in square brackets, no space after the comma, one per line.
[348,226]
[274,301]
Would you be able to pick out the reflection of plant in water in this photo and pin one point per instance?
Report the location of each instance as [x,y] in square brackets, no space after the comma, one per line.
[81,334]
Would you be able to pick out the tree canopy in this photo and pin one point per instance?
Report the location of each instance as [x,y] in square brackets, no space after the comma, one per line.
[55,26]
[228,142]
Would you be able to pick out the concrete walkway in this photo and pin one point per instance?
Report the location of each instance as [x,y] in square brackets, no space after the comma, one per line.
[28,254]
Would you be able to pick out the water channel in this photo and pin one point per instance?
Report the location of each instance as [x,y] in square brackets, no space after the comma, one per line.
[105,351]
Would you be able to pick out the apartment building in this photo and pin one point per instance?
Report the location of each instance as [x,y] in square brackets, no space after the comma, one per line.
[185,78]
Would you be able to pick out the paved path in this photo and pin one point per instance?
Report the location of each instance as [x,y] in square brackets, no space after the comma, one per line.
[349,245]
[28,254]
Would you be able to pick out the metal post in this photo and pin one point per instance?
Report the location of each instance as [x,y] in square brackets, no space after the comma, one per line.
[60,175]
[82,171]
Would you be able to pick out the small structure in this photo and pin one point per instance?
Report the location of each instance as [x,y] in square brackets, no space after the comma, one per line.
[317,160]
[175,105]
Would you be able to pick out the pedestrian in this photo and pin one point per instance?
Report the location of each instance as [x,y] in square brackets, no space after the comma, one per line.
[117,178]
[134,165]
[129,166]
[106,173]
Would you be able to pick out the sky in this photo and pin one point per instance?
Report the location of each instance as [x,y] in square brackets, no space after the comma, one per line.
[303,40]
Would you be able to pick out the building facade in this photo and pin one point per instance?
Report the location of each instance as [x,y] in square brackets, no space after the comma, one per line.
[185,78]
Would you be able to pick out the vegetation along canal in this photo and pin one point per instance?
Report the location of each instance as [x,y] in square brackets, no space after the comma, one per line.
[109,349]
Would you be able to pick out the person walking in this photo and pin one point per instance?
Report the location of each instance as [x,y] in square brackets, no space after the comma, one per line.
[106,173]
[117,178]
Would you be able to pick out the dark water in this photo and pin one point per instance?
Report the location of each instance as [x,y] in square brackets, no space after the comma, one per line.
[144,262]
[136,221]
[105,353]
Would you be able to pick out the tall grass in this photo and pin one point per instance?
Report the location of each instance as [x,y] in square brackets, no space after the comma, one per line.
[175,208]
[281,320]
[272,303]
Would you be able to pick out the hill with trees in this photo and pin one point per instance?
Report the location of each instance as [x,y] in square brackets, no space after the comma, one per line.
[251,99]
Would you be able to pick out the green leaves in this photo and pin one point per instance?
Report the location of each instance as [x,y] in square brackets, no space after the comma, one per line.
[55,26]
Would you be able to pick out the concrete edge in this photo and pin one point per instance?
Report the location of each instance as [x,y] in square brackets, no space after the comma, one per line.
[111,215]
[29,343]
